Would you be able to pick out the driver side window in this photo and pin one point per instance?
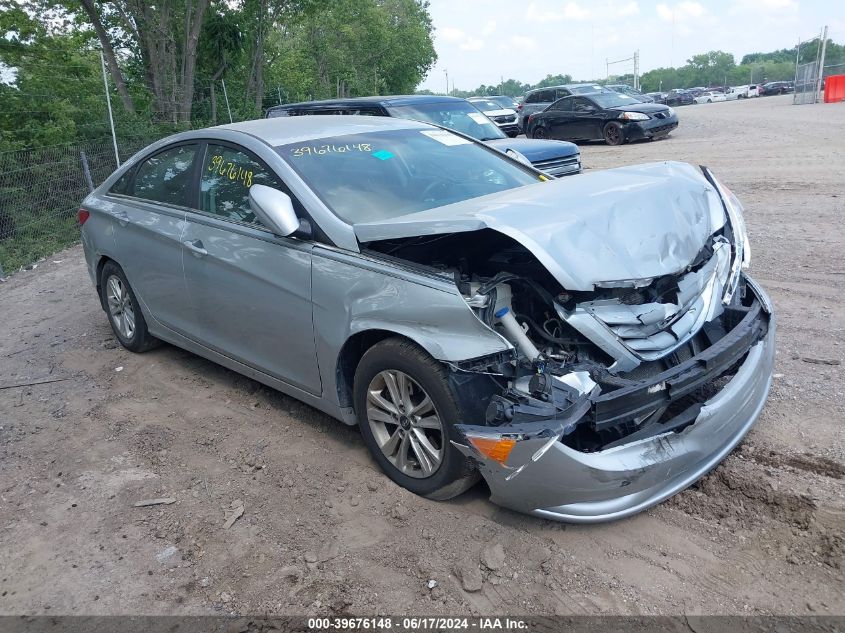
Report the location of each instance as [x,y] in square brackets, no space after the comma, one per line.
[227,175]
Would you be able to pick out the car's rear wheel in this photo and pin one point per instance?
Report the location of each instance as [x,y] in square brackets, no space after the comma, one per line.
[407,412]
[540,133]
[613,134]
[123,311]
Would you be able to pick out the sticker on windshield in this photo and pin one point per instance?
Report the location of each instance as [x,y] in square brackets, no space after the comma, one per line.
[478,118]
[447,138]
[382,154]
[322,150]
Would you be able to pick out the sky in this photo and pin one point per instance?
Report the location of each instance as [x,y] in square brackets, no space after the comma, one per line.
[481,42]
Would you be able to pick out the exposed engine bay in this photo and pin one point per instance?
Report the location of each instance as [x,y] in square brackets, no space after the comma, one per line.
[631,349]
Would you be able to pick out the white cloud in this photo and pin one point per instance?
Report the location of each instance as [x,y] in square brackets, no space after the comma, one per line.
[571,11]
[681,12]
[489,27]
[451,34]
[627,10]
[472,44]
[522,43]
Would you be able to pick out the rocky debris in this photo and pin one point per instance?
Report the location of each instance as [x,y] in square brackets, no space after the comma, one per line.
[291,572]
[233,514]
[399,512]
[493,557]
[154,502]
[470,576]
[431,584]
[166,553]
[372,486]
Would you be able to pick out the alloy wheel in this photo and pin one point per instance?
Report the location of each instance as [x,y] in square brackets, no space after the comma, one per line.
[405,424]
[121,310]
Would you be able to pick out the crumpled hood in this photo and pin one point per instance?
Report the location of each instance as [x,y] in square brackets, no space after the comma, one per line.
[617,224]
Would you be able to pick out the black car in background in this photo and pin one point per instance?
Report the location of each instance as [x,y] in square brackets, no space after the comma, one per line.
[658,97]
[611,117]
[679,97]
[776,88]
[555,158]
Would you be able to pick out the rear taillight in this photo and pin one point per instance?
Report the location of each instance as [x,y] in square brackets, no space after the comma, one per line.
[82,216]
[519,107]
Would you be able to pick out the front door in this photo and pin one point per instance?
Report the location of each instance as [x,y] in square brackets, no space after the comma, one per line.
[250,289]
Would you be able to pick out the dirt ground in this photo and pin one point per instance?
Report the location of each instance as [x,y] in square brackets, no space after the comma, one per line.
[323,531]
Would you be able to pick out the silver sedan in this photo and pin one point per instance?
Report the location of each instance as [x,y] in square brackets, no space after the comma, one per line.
[589,346]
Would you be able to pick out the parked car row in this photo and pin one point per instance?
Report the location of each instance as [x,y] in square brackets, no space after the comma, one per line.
[459,115]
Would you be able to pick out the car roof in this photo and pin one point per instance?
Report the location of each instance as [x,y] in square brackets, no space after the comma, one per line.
[356,102]
[283,130]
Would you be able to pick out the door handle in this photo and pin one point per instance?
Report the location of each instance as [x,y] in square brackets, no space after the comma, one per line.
[196,247]
[122,217]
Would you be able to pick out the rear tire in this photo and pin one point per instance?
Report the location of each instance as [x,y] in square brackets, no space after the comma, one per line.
[613,133]
[407,412]
[125,316]
[540,132]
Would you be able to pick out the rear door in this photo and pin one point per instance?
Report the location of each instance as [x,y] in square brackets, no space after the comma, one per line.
[151,218]
[250,289]
[559,119]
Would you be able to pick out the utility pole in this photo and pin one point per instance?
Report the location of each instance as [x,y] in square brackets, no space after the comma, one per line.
[821,64]
[108,102]
[446,70]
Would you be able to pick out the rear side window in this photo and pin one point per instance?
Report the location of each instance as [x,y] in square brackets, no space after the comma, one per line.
[532,97]
[562,92]
[561,105]
[227,175]
[547,96]
[167,176]
[122,183]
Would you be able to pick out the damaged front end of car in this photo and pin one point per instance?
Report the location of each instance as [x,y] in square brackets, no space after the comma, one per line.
[618,392]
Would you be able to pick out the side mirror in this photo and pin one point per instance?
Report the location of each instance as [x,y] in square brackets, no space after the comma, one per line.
[274,208]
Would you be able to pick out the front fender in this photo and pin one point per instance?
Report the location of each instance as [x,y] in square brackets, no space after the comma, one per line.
[354,293]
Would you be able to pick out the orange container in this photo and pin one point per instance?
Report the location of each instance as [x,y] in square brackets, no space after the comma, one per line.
[834,88]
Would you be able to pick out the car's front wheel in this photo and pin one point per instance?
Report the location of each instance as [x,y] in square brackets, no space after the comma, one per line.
[540,133]
[407,412]
[614,134]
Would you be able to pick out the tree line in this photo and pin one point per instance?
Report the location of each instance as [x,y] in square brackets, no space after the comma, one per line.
[167,62]
[714,68]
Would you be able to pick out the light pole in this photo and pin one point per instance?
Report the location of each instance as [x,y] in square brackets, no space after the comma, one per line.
[446,70]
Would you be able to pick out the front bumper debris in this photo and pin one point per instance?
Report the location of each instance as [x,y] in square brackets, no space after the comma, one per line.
[545,477]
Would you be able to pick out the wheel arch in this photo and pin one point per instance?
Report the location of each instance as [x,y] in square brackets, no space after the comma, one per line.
[101,263]
[351,352]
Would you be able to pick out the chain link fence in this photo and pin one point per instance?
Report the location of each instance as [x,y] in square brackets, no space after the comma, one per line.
[40,192]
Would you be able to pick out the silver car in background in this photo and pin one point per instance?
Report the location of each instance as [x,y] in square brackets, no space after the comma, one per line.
[504,118]
[590,346]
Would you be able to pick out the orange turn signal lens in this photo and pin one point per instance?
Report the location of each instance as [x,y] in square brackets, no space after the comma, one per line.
[496,449]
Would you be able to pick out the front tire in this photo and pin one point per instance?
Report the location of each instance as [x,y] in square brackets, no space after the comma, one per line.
[613,133]
[407,412]
[121,306]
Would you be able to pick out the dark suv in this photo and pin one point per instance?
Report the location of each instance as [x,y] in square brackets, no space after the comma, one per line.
[556,158]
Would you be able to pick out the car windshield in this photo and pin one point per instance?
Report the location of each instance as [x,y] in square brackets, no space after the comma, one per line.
[460,116]
[505,102]
[613,99]
[486,105]
[380,175]
[580,90]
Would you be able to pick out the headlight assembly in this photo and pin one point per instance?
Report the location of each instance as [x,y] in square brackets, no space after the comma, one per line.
[741,247]
[634,116]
